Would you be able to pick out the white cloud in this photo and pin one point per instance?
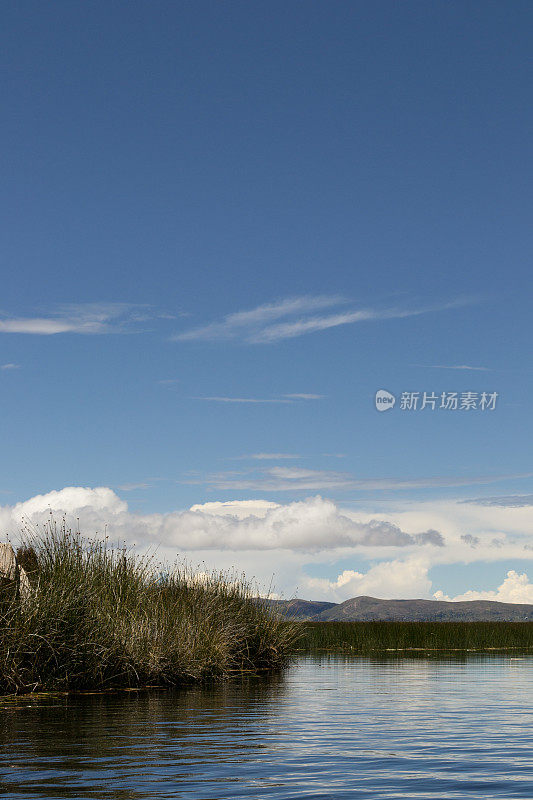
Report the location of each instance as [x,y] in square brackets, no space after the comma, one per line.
[70,500]
[260,326]
[233,325]
[509,500]
[283,479]
[86,318]
[36,325]
[236,508]
[10,366]
[468,523]
[285,398]
[294,473]
[302,396]
[269,456]
[289,330]
[514,589]
[311,525]
[264,538]
[221,399]
[467,367]
[277,479]
[387,580]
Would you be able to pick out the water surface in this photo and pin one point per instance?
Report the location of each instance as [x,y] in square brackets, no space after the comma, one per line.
[331,727]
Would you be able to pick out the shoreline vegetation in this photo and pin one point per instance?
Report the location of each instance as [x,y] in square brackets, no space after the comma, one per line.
[416,636]
[98,617]
[90,617]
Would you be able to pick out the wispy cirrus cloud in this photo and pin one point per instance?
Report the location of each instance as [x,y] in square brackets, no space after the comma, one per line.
[300,479]
[505,501]
[285,398]
[281,456]
[303,396]
[466,367]
[10,366]
[222,399]
[296,316]
[243,323]
[82,318]
[269,456]
[278,479]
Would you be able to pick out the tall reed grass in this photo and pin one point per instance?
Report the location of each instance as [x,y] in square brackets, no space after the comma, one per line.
[366,637]
[100,617]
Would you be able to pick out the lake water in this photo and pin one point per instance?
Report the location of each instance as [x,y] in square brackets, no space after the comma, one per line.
[331,727]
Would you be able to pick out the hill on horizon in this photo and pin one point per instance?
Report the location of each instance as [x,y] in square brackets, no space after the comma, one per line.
[364,608]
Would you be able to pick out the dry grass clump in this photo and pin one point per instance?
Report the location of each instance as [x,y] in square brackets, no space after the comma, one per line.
[99,617]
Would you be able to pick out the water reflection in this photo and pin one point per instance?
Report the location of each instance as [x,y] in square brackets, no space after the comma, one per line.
[334,727]
[134,739]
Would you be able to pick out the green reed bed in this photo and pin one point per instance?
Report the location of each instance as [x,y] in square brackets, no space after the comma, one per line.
[367,637]
[98,617]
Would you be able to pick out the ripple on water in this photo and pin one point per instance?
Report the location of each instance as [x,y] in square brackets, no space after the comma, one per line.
[331,727]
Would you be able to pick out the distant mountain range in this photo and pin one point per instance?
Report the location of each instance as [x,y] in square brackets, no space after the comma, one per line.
[371,608]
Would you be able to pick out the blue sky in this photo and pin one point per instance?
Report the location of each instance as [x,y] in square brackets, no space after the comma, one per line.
[291,205]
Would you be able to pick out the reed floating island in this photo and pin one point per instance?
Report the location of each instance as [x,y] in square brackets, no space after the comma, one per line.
[383,637]
[78,614]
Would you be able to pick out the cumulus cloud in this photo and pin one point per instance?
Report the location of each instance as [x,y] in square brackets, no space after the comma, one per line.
[388,580]
[236,508]
[284,539]
[69,500]
[514,589]
[310,525]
